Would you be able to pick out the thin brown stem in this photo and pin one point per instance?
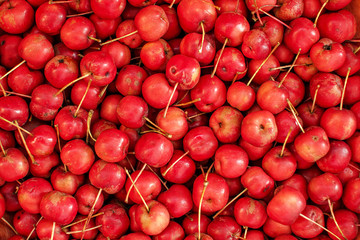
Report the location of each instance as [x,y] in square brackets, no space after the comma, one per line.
[9,225]
[206,183]
[187,103]
[343,91]
[319,225]
[295,116]
[291,67]
[58,136]
[172,4]
[314,100]
[94,39]
[91,212]
[25,145]
[286,66]
[245,231]
[88,126]
[157,127]
[3,90]
[82,220]
[284,144]
[59,2]
[171,97]
[18,94]
[83,98]
[33,230]
[72,82]
[196,115]
[2,149]
[334,219]
[262,64]
[230,202]
[276,19]
[13,124]
[119,38]
[357,50]
[162,182]
[53,231]
[13,69]
[202,36]
[80,14]
[86,230]
[133,183]
[137,190]
[174,163]
[220,54]
[354,167]
[182,98]
[321,9]
[130,164]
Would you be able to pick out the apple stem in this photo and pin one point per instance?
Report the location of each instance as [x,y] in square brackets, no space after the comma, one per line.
[86,230]
[206,183]
[3,90]
[182,98]
[343,92]
[52,231]
[133,184]
[172,4]
[246,228]
[137,190]
[276,19]
[155,131]
[187,103]
[82,220]
[91,213]
[9,225]
[13,69]
[287,66]
[218,60]
[291,67]
[80,55]
[237,6]
[59,2]
[284,144]
[333,217]
[88,126]
[11,123]
[32,231]
[353,166]
[357,50]
[171,97]
[162,182]
[314,101]
[58,136]
[293,112]
[132,167]
[173,164]
[319,225]
[2,149]
[157,127]
[210,3]
[72,82]
[119,38]
[262,64]
[79,14]
[25,145]
[235,77]
[103,91]
[207,66]
[202,36]
[321,9]
[230,202]
[194,116]
[83,98]
[18,94]
[94,39]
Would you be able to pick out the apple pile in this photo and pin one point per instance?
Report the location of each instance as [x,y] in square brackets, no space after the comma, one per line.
[179,119]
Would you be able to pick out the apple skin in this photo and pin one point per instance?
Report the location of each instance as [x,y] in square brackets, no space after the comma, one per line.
[154,221]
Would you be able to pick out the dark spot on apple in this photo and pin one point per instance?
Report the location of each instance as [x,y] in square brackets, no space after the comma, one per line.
[315,138]
[262,127]
[2,42]
[224,69]
[107,74]
[61,60]
[327,47]
[173,70]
